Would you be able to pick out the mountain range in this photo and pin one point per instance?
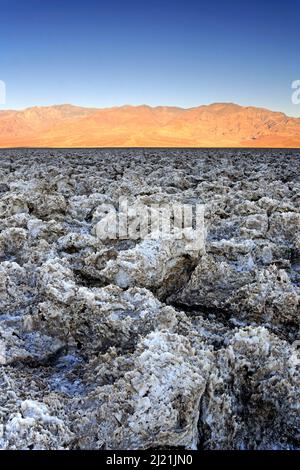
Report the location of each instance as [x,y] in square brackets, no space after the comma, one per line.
[215,125]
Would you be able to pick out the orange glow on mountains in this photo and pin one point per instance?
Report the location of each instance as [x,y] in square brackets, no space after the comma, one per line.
[216,125]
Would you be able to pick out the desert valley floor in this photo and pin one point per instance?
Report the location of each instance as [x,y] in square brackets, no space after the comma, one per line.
[142,344]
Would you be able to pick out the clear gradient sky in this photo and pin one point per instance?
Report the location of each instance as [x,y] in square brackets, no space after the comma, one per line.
[184,53]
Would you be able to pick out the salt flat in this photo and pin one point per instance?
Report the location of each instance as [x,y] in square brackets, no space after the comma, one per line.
[134,343]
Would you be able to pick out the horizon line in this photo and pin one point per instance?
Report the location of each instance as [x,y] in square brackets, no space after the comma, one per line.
[126,105]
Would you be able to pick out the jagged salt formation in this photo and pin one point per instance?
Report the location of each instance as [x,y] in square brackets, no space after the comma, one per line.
[133,344]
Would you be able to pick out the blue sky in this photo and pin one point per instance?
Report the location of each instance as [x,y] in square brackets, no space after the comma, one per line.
[184,53]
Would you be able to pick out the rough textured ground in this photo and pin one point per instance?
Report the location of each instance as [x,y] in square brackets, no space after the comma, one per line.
[105,347]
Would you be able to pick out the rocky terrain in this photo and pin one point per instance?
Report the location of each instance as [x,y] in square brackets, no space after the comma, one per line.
[142,344]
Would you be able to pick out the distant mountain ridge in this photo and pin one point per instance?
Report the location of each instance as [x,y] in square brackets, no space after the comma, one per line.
[215,125]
